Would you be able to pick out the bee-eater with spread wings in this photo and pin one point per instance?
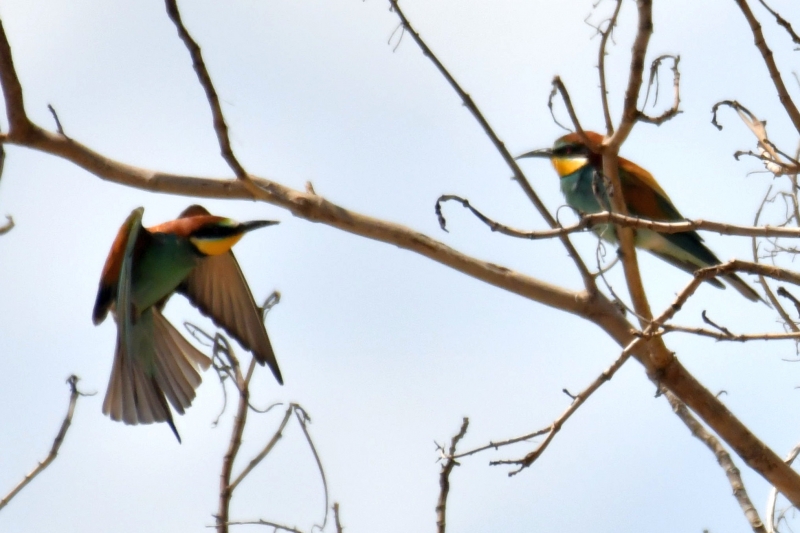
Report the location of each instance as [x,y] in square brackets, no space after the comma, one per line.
[153,363]
[581,172]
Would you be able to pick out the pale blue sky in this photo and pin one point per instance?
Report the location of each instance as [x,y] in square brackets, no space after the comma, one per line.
[386,350]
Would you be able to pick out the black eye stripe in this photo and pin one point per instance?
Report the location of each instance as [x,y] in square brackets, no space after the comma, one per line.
[570,150]
[214,231]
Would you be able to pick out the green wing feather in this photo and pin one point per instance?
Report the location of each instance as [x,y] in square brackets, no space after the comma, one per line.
[124,300]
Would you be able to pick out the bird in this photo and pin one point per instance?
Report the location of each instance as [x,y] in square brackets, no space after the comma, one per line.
[581,173]
[153,363]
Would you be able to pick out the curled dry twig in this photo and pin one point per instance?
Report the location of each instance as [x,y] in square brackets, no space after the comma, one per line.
[768,153]
[654,82]
[588,221]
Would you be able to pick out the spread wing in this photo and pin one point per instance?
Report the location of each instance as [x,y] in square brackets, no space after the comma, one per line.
[121,249]
[219,290]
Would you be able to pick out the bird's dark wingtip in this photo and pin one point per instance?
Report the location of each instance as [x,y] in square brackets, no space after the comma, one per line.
[174,430]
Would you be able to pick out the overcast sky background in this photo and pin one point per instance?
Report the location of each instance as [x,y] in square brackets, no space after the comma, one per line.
[386,350]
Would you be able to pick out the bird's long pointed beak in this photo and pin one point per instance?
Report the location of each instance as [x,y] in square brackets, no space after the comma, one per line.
[545,153]
[255,224]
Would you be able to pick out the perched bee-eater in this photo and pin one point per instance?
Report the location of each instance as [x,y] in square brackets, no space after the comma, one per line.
[581,173]
[153,362]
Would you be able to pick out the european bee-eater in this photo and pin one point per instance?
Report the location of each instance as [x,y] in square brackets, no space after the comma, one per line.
[153,362]
[581,173]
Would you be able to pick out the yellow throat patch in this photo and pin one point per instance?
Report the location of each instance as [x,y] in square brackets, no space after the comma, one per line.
[216,246]
[567,165]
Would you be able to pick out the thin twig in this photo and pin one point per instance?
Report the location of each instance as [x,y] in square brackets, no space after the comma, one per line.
[782,22]
[590,220]
[263,453]
[601,66]
[676,90]
[208,86]
[304,420]
[336,520]
[789,296]
[8,226]
[762,280]
[772,67]
[773,493]
[72,381]
[274,525]
[769,154]
[239,421]
[577,401]
[59,127]
[519,176]
[559,86]
[722,329]
[444,478]
[744,337]
[723,458]
[630,112]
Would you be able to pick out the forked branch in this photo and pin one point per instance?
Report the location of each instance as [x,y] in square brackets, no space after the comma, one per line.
[72,381]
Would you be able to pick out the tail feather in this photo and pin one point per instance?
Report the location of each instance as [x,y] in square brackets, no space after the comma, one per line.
[138,389]
[744,289]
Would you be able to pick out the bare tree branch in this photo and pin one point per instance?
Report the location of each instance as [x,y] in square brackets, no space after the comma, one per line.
[590,220]
[601,66]
[72,381]
[763,281]
[444,477]
[263,453]
[630,112]
[239,421]
[769,61]
[676,90]
[519,176]
[720,336]
[555,427]
[782,22]
[769,154]
[336,520]
[211,94]
[274,525]
[303,419]
[560,88]
[723,458]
